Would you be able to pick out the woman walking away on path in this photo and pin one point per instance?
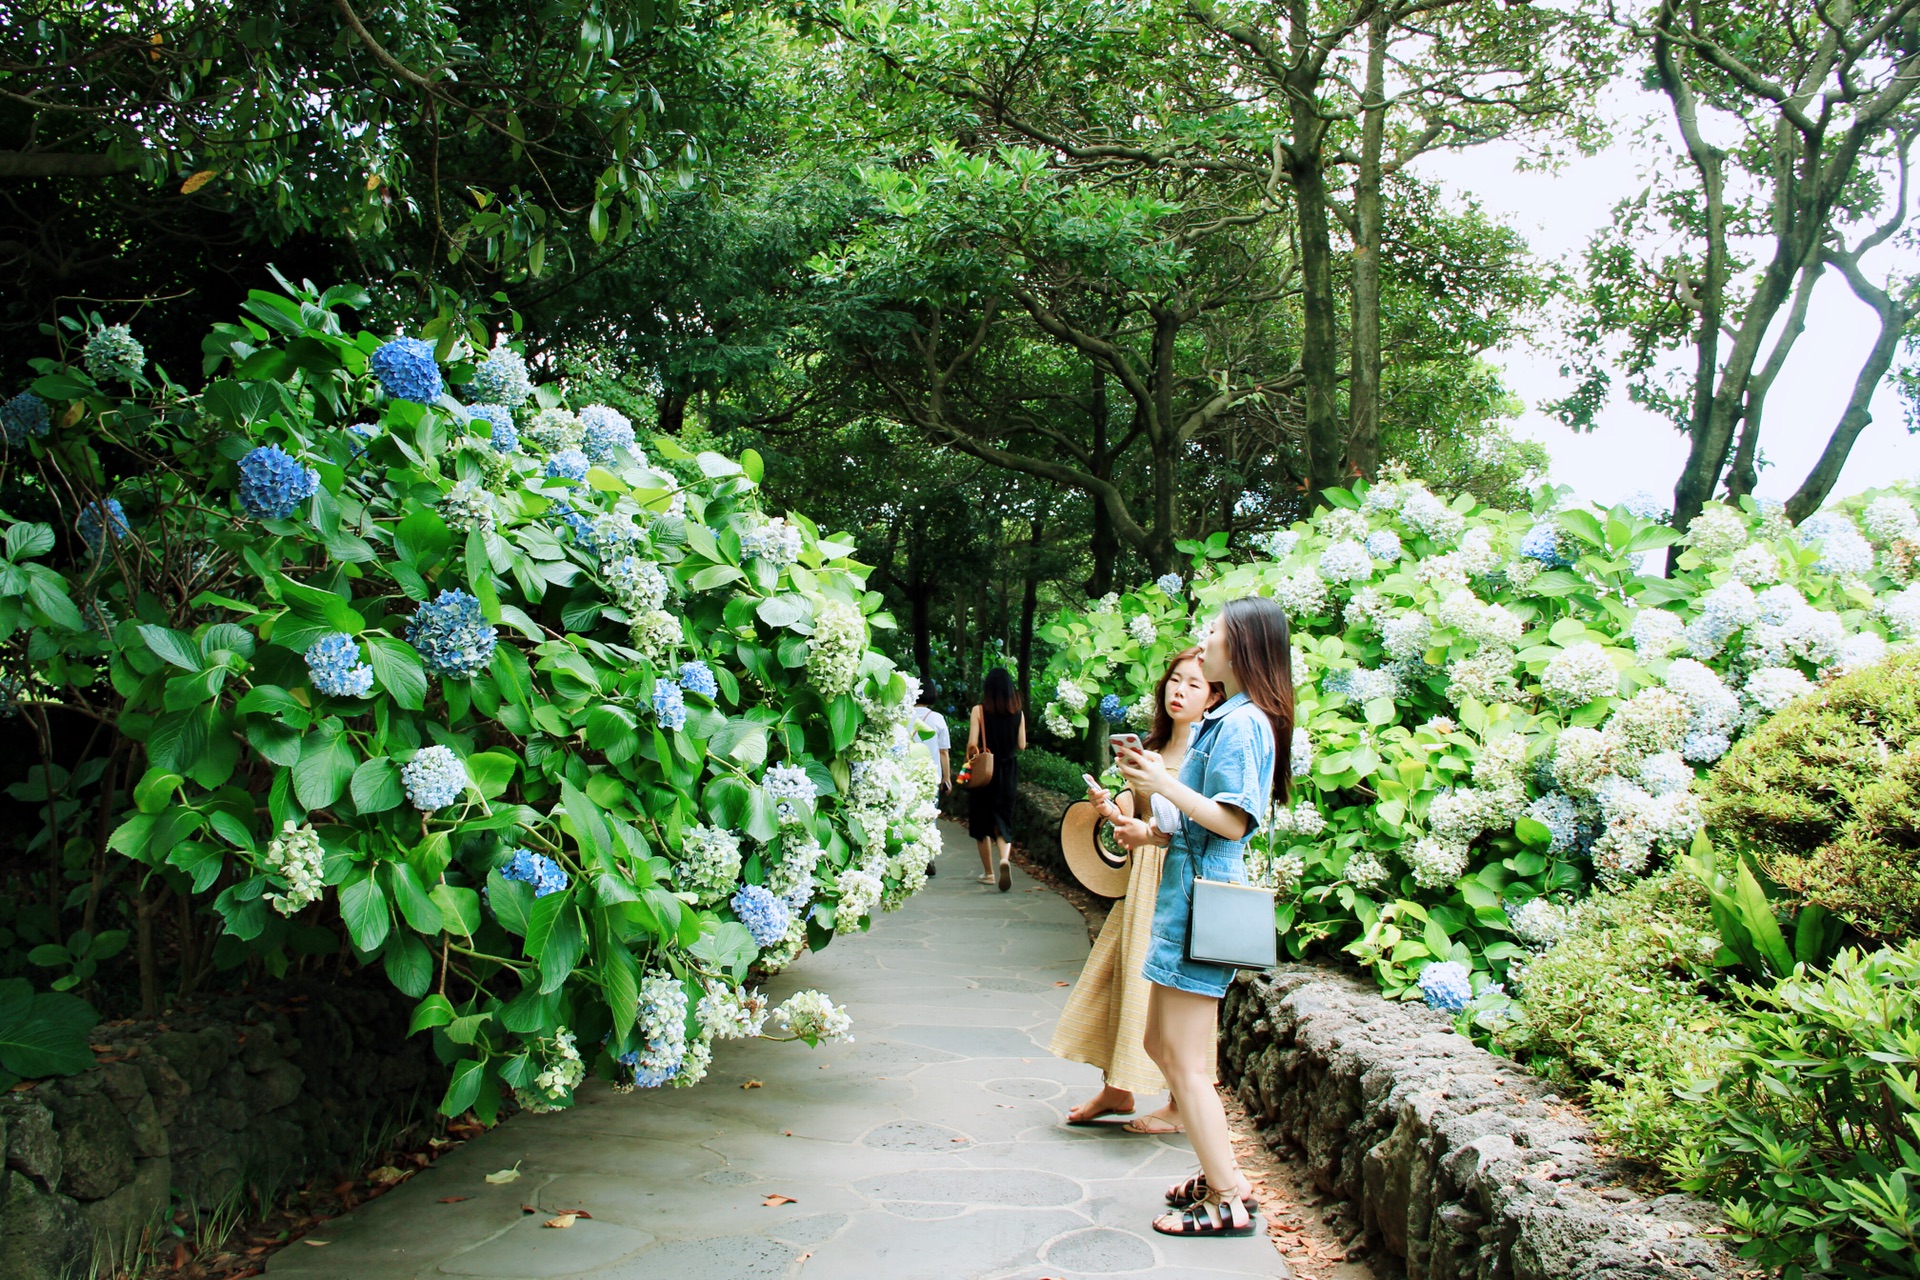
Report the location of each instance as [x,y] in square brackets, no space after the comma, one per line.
[1000,726]
[1105,1020]
[1234,769]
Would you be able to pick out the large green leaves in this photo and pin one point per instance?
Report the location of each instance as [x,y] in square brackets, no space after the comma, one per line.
[43,1033]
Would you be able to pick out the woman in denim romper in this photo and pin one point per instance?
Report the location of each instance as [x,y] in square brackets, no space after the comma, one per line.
[1234,768]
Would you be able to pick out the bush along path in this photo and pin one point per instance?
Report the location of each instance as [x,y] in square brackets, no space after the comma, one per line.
[929,1144]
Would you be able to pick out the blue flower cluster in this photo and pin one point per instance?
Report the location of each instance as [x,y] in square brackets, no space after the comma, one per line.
[669,705]
[1557,812]
[273,484]
[99,521]
[502,434]
[607,432]
[23,416]
[697,677]
[1169,583]
[502,378]
[452,635]
[407,370]
[581,526]
[765,915]
[364,434]
[1543,543]
[1112,710]
[1644,505]
[568,464]
[334,666]
[1448,985]
[537,869]
[1300,758]
[434,778]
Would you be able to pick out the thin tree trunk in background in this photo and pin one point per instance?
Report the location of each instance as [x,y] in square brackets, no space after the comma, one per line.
[1029,599]
[1895,317]
[1364,360]
[673,412]
[1105,543]
[1744,471]
[1319,347]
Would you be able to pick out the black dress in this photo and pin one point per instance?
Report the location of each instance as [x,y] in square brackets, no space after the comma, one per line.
[990,808]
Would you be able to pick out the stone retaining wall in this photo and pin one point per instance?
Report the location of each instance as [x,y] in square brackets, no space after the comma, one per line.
[244,1093]
[1457,1162]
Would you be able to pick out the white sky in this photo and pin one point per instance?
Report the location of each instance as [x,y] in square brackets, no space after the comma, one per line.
[1633,449]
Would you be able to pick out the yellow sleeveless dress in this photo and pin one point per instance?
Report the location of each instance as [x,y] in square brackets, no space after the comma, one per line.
[1105,1021]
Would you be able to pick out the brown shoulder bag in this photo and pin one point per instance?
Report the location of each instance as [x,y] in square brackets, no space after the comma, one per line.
[979,759]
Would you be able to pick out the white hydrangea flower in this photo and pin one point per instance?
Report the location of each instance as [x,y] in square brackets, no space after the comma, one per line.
[1579,674]
[1440,572]
[1479,621]
[728,1013]
[1457,817]
[1478,553]
[1053,718]
[838,646]
[1651,722]
[1790,629]
[1107,603]
[1582,760]
[1366,608]
[1502,759]
[1890,516]
[1279,544]
[813,1015]
[1655,633]
[1405,635]
[1717,532]
[1435,863]
[1902,612]
[1771,688]
[1340,524]
[1366,871]
[296,856]
[1664,773]
[859,892]
[1485,677]
[709,863]
[1302,594]
[1346,561]
[1071,695]
[1420,510]
[1141,627]
[1381,497]
[1522,572]
[1860,651]
[1755,565]
[1538,922]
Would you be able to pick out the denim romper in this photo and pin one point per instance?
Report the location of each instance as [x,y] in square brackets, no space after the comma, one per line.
[1231,761]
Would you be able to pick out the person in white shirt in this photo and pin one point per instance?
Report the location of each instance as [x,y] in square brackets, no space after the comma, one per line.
[939,745]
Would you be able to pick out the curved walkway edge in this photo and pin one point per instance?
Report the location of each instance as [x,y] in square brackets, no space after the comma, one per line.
[931,1147]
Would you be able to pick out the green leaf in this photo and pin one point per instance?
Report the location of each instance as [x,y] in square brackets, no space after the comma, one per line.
[492,772]
[843,721]
[620,982]
[459,908]
[25,541]
[398,669]
[1533,833]
[363,905]
[512,902]
[784,609]
[464,1088]
[510,672]
[422,538]
[47,591]
[411,897]
[1757,914]
[435,1011]
[408,963]
[376,786]
[727,800]
[325,767]
[44,1033]
[714,575]
[588,823]
[155,790]
[172,646]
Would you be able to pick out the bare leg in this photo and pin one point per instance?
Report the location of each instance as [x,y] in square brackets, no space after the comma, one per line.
[986,858]
[1182,1029]
[1109,1101]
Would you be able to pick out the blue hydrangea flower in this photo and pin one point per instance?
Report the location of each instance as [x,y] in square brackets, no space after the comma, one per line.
[572,519]
[650,1077]
[1170,583]
[407,370]
[568,464]
[273,484]
[453,636]
[364,434]
[503,435]
[1300,758]
[334,666]
[1644,505]
[797,898]
[1543,543]
[502,378]
[434,778]
[1112,710]
[697,677]
[1448,985]
[1557,812]
[537,869]
[1384,545]
[99,521]
[765,915]
[607,432]
[669,705]
[23,416]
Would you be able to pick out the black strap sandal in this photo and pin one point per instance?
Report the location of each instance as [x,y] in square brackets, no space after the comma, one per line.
[1208,1216]
[1182,1194]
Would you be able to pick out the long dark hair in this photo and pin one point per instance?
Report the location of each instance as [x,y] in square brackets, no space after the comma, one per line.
[1162,722]
[1260,651]
[1000,697]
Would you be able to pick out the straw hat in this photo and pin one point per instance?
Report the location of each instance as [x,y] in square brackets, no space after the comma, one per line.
[1097,860]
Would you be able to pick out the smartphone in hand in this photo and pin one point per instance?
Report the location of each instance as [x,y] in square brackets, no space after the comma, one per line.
[1124,741]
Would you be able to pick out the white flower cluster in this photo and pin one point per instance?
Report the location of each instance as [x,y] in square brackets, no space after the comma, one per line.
[1843,552]
[561,1072]
[1346,561]
[1656,633]
[1405,635]
[729,1013]
[1902,612]
[791,876]
[1364,870]
[1366,608]
[1651,722]
[838,647]
[1581,760]
[1071,695]
[1381,497]
[1479,556]
[1054,720]
[1718,531]
[1756,565]
[1302,594]
[859,891]
[554,431]
[1106,603]
[1302,820]
[1769,689]
[1435,863]
[1486,677]
[1141,627]
[467,507]
[1521,573]
[709,863]
[1790,629]
[1714,709]
[777,541]
[1438,572]
[1479,621]
[789,787]
[880,792]
[1279,544]
[1636,824]
[1579,674]
[296,856]
[655,634]
[812,1015]
[1539,922]
[1891,517]
[1341,524]
[1421,510]
[1278,872]
[638,585]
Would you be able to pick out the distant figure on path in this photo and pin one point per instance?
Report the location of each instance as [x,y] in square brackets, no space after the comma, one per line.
[998,724]
[1235,767]
[939,745]
[1105,1020]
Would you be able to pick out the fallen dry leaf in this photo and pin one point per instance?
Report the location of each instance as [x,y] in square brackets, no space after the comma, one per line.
[318,1244]
[527,1208]
[505,1175]
[787,1132]
[777,1199]
[453,1199]
[1063,984]
[560,1222]
[956,1139]
[386,1173]
[753,1084]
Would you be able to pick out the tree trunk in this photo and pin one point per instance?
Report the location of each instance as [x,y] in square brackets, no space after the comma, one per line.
[144,908]
[1894,318]
[673,412]
[1105,543]
[1363,378]
[1319,346]
[1029,600]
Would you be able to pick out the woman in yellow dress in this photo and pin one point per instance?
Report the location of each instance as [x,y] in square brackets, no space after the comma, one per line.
[1104,1023]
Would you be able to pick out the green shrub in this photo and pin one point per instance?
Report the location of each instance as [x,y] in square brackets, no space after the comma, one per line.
[1049,769]
[1615,1009]
[1826,797]
[1817,1119]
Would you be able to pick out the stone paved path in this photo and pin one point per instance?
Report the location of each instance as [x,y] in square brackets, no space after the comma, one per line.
[931,1147]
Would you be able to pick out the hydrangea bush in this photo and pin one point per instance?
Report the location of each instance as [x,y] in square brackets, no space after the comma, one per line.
[569,739]
[1499,710]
